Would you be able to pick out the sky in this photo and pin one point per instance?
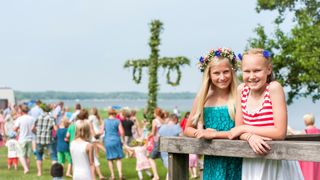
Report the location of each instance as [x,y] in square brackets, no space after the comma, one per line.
[79,45]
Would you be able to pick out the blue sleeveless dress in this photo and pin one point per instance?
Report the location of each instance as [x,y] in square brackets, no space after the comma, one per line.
[112,141]
[218,167]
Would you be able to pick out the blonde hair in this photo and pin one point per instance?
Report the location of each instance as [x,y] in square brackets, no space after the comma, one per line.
[83,130]
[65,122]
[259,51]
[206,84]
[309,119]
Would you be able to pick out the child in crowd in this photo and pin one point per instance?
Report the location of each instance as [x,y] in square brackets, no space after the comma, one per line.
[63,146]
[310,170]
[82,153]
[193,161]
[261,115]
[142,164]
[57,171]
[13,150]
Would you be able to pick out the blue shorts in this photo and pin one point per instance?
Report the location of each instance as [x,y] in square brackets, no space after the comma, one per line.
[40,148]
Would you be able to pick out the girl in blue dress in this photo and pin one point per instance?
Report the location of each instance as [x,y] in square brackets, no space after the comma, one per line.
[213,111]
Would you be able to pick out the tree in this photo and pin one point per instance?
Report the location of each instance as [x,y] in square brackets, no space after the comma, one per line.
[153,63]
[296,60]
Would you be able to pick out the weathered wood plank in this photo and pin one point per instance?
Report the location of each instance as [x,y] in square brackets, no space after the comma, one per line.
[303,137]
[290,150]
[178,166]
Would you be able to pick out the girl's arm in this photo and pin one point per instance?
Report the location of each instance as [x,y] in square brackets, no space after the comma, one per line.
[279,109]
[89,150]
[128,147]
[190,130]
[239,115]
[67,138]
[213,134]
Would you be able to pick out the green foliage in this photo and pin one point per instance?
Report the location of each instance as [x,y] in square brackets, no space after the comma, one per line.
[153,63]
[296,62]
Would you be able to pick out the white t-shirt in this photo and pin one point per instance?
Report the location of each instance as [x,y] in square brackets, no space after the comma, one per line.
[13,148]
[24,123]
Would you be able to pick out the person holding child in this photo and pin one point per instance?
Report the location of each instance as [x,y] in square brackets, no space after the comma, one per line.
[113,133]
[214,110]
[261,115]
[310,170]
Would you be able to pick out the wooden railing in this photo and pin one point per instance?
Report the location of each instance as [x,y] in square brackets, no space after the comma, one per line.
[295,147]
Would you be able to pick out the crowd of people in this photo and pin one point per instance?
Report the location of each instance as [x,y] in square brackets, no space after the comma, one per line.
[254,111]
[75,139]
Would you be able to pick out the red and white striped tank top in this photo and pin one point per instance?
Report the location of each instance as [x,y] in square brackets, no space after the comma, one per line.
[263,116]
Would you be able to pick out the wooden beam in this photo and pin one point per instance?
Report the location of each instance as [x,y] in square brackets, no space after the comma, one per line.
[289,150]
[303,137]
[178,166]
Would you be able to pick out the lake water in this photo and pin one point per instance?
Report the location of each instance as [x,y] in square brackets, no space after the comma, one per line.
[295,111]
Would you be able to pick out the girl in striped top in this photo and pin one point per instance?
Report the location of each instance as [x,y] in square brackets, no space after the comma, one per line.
[261,115]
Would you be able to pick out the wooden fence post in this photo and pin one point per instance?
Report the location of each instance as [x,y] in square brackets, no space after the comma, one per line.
[178,166]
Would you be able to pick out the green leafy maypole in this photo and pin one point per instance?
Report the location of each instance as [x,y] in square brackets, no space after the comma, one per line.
[153,63]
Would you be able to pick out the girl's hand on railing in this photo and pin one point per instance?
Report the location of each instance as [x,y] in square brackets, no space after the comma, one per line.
[258,144]
[199,133]
[209,133]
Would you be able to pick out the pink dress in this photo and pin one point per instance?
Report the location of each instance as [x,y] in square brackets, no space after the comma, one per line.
[193,160]
[142,160]
[311,170]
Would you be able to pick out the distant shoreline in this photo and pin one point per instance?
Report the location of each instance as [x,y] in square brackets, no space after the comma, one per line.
[61,95]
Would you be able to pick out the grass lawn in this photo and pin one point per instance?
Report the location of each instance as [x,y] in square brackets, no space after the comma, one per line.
[128,166]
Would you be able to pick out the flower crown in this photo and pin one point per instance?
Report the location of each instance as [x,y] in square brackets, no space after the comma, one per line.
[220,52]
[267,54]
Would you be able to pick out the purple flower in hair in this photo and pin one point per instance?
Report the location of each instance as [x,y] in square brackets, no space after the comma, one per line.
[240,56]
[201,60]
[266,54]
[217,53]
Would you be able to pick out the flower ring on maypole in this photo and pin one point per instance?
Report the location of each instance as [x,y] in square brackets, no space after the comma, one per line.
[135,78]
[171,68]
